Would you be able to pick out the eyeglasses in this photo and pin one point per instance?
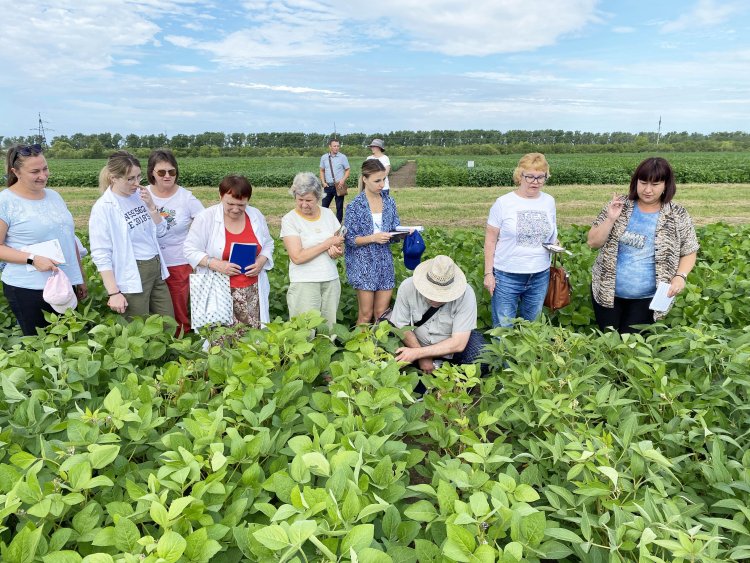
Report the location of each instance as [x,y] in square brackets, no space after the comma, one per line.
[531,179]
[161,173]
[132,179]
[27,150]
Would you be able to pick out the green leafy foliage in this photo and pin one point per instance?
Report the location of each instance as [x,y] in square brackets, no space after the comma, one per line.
[580,169]
[119,443]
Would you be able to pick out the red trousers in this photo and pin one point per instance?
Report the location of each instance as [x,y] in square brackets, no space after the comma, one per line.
[178,283]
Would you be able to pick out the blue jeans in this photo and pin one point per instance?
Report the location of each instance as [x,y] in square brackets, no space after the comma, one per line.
[518,295]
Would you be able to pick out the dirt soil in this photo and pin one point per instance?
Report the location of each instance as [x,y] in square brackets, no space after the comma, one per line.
[404,177]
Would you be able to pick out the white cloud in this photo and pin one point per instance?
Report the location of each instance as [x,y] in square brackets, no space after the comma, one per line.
[180,40]
[73,39]
[485,28]
[183,68]
[623,29]
[279,32]
[279,88]
[706,13]
[504,77]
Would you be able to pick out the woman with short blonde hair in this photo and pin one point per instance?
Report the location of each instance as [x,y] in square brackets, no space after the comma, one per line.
[516,265]
[124,228]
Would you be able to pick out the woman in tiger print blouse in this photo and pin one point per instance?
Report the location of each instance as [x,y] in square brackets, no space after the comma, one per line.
[644,239]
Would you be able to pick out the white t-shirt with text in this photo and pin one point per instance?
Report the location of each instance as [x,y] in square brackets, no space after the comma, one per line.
[137,219]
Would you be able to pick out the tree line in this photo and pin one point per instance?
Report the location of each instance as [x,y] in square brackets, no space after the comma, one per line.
[435,142]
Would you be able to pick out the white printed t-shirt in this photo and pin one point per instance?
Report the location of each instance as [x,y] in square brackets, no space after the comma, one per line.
[178,211]
[524,225]
[322,268]
[137,218]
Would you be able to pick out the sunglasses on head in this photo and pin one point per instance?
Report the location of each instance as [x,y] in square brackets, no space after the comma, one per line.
[162,173]
[27,150]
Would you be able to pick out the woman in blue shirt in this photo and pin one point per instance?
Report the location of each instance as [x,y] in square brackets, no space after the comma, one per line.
[30,213]
[369,220]
[644,239]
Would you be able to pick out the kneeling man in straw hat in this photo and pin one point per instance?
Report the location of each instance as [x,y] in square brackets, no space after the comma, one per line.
[442,308]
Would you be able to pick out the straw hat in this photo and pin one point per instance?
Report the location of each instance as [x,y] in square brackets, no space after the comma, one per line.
[439,279]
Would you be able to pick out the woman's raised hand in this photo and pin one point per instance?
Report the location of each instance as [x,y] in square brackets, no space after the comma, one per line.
[614,208]
[147,199]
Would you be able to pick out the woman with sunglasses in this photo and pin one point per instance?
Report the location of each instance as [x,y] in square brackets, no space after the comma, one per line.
[124,229]
[178,207]
[31,213]
[516,265]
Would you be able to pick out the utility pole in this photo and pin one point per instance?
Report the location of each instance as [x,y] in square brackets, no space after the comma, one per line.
[658,132]
[40,132]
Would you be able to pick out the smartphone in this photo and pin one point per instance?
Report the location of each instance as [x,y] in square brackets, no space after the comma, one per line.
[555,248]
[341,232]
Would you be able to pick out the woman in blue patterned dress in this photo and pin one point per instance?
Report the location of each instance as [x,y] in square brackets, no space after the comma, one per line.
[369,220]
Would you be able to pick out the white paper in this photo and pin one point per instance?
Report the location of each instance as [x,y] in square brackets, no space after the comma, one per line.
[661,302]
[49,249]
[405,229]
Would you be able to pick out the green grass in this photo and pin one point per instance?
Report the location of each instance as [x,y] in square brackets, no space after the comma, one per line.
[462,207]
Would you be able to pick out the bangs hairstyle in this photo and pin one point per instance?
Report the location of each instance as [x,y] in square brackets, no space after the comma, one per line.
[369,167]
[157,156]
[237,186]
[655,169]
[118,165]
[533,161]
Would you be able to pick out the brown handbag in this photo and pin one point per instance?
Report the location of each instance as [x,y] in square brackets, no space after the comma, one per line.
[339,191]
[558,292]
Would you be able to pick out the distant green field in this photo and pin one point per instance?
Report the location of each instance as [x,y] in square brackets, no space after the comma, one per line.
[266,171]
[568,169]
[433,171]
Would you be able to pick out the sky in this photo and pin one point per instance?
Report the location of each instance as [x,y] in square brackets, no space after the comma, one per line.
[189,66]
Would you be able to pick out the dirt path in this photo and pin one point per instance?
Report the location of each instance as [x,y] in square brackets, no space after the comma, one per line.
[404,177]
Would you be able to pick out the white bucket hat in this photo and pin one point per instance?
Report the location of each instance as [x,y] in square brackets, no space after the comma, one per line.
[439,279]
[59,293]
[377,143]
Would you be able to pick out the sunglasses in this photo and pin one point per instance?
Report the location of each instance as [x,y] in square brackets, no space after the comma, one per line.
[27,150]
[161,173]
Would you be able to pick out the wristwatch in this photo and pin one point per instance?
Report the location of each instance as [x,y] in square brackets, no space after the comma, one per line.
[680,274]
[30,260]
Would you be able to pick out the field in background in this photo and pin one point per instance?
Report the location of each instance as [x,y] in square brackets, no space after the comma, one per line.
[468,207]
[434,171]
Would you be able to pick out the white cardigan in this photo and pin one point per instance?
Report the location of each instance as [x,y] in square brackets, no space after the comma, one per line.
[207,237]
[111,248]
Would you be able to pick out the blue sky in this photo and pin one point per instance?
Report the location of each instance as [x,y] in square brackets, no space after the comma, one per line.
[188,66]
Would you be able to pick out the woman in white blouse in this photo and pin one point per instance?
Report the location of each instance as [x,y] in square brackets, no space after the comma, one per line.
[210,239]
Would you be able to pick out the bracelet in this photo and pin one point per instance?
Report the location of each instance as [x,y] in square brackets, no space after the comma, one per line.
[680,274]
[115,293]
[488,274]
[208,262]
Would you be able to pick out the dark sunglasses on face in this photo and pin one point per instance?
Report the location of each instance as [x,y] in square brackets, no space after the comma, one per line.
[27,150]
[161,173]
